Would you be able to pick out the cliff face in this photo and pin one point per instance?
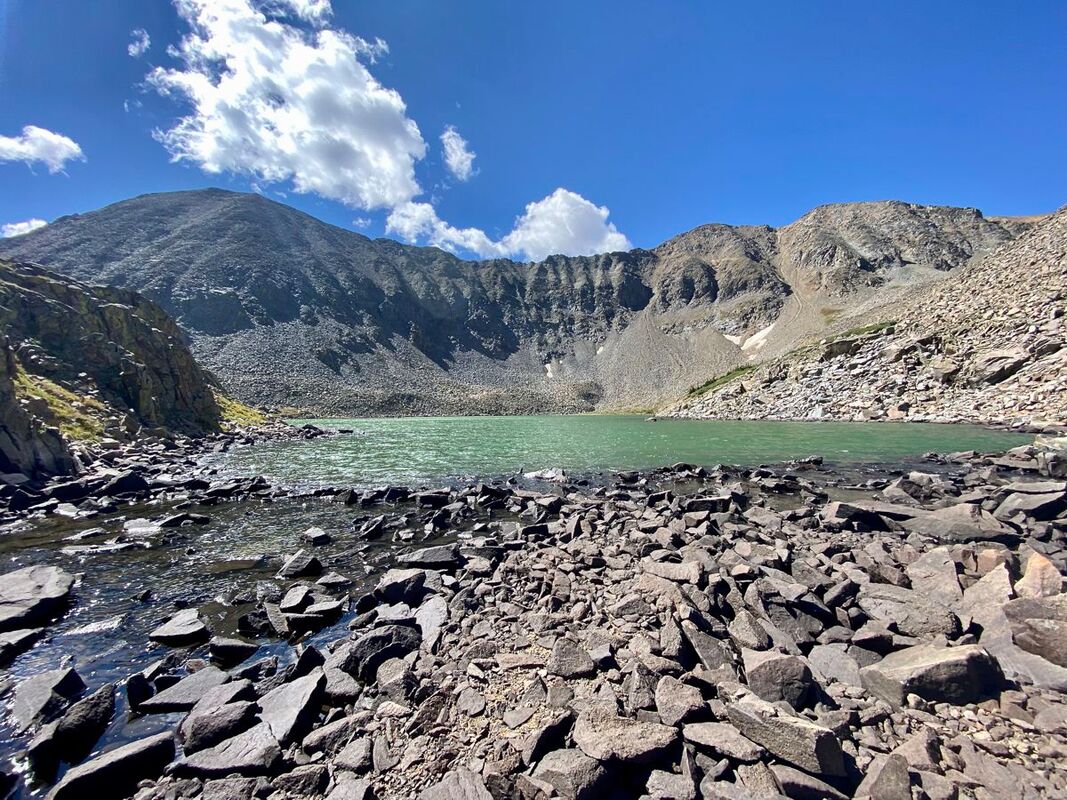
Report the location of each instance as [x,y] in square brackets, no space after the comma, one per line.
[989,345]
[289,311]
[97,361]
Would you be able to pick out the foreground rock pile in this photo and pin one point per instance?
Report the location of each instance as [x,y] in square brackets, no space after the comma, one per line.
[690,633]
[987,345]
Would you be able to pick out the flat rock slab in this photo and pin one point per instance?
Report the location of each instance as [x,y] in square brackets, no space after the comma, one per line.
[32,596]
[184,628]
[794,739]
[605,736]
[913,613]
[14,642]
[460,784]
[43,696]
[186,693]
[942,674]
[723,740]
[290,710]
[254,752]
[445,556]
[117,772]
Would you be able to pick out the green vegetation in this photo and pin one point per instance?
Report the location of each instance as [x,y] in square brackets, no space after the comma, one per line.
[863,330]
[830,314]
[77,416]
[236,413]
[721,380]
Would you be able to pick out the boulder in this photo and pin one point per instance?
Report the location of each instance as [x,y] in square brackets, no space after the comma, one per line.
[605,736]
[1039,626]
[117,772]
[1040,579]
[32,596]
[573,774]
[186,693]
[994,366]
[794,739]
[444,556]
[254,752]
[912,613]
[723,740]
[184,628]
[677,702]
[776,676]
[956,675]
[962,522]
[1043,507]
[300,565]
[290,710]
[362,656]
[401,586]
[43,696]
[72,736]
[568,660]
[460,784]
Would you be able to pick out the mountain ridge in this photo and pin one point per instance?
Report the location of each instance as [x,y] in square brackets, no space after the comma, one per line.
[359,325]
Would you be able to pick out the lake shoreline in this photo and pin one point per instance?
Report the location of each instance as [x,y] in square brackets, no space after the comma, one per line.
[552,639]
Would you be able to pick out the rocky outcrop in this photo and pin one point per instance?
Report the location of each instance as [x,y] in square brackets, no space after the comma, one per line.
[98,360]
[288,311]
[989,345]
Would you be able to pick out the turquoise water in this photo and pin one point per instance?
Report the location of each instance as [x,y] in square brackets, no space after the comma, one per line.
[414,450]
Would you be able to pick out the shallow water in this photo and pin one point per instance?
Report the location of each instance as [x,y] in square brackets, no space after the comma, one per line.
[430,449]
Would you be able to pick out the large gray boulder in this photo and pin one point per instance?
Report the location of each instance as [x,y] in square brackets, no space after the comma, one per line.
[912,613]
[957,675]
[573,774]
[117,772]
[605,736]
[32,596]
[797,740]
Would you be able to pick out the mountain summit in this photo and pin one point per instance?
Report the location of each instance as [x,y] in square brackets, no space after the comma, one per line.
[289,311]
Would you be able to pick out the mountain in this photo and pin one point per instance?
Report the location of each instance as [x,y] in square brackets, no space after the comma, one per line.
[289,311]
[990,345]
[87,363]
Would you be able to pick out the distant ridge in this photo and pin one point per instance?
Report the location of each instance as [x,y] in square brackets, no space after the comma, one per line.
[289,311]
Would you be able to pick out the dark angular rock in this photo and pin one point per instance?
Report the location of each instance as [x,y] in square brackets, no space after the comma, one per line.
[117,772]
[945,674]
[573,774]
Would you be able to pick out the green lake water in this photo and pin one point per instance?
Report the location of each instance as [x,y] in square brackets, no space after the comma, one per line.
[415,450]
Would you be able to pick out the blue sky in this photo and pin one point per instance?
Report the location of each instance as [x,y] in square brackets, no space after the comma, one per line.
[593,124]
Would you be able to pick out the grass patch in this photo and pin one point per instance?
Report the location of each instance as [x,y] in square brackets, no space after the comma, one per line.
[863,330]
[77,416]
[721,380]
[236,413]
[830,314]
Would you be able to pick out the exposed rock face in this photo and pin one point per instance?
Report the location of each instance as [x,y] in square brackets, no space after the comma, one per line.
[366,326]
[986,346]
[111,344]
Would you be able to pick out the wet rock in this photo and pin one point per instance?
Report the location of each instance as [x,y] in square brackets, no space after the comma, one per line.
[231,651]
[184,628]
[72,736]
[445,556]
[43,696]
[794,739]
[364,655]
[606,736]
[14,642]
[32,596]
[300,565]
[316,537]
[186,693]
[573,774]
[957,675]
[117,772]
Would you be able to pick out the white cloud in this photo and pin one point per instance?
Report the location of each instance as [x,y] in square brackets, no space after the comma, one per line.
[140,44]
[459,158]
[19,228]
[39,144]
[564,222]
[277,103]
[362,222]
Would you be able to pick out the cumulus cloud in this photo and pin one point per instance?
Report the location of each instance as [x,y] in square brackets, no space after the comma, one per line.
[139,44]
[40,144]
[19,228]
[564,223]
[277,103]
[272,92]
[459,158]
